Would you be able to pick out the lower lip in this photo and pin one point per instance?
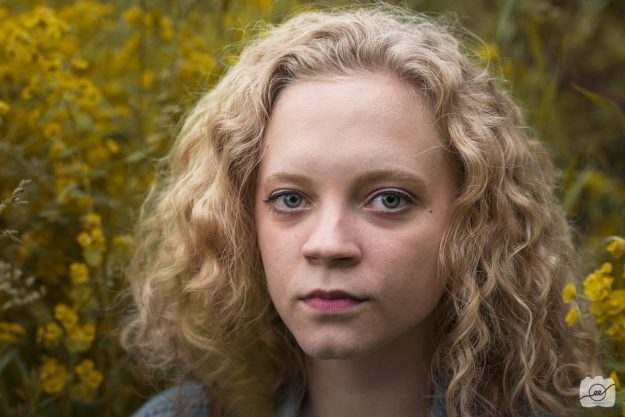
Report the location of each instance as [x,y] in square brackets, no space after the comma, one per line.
[335,304]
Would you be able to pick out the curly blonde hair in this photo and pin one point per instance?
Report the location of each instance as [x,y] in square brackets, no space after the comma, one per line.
[202,307]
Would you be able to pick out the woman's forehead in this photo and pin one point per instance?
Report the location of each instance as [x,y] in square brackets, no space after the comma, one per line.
[349,125]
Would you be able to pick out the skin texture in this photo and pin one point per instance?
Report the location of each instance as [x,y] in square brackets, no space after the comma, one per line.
[376,238]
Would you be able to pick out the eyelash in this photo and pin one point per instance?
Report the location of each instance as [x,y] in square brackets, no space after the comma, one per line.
[269,200]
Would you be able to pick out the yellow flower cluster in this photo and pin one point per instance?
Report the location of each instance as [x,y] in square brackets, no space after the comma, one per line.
[79,273]
[604,288]
[42,48]
[89,380]
[66,315]
[568,295]
[607,304]
[34,38]
[50,334]
[11,332]
[148,21]
[92,240]
[572,316]
[53,375]
[79,338]
[123,244]
[617,248]
[88,375]
[597,285]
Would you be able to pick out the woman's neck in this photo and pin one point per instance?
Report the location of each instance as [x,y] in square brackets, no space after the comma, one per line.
[388,382]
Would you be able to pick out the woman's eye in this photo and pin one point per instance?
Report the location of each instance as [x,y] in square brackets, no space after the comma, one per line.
[288,200]
[392,200]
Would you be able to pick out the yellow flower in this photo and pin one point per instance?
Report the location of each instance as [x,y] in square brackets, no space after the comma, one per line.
[97,155]
[606,268]
[93,379]
[88,94]
[91,220]
[55,149]
[84,367]
[112,146]
[50,334]
[27,93]
[97,235]
[570,291]
[572,316]
[123,244]
[66,315]
[166,33]
[84,239]
[88,332]
[132,15]
[4,108]
[53,376]
[80,338]
[148,21]
[614,303]
[597,284]
[616,330]
[80,64]
[79,273]
[88,375]
[617,248]
[51,66]
[597,309]
[11,332]
[51,130]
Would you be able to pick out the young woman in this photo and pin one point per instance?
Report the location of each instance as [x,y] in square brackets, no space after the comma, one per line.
[355,222]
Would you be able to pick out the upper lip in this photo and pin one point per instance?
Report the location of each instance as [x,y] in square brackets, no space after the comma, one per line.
[331,294]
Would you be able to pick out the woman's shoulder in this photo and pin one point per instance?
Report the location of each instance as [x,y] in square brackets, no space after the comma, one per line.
[182,401]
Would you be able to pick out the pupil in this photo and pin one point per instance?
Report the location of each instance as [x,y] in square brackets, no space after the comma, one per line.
[292,199]
[391,198]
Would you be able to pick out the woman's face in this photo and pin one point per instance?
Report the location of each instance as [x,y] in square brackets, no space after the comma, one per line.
[353,194]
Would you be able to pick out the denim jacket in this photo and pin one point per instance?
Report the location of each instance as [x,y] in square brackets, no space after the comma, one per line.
[163,404]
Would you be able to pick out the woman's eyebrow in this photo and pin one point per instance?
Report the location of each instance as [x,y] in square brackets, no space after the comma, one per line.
[367,177]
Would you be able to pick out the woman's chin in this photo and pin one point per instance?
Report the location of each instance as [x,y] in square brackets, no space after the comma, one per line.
[326,350]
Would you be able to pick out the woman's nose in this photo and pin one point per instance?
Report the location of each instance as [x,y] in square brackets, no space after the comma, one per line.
[331,239]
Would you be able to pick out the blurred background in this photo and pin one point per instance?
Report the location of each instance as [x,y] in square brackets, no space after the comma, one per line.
[91,93]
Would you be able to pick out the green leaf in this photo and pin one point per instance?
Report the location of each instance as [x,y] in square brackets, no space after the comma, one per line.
[594,97]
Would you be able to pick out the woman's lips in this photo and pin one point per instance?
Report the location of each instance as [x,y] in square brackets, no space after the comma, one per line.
[332,300]
[332,304]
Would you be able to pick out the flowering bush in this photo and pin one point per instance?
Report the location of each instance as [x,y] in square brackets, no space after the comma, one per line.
[90,95]
[604,290]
